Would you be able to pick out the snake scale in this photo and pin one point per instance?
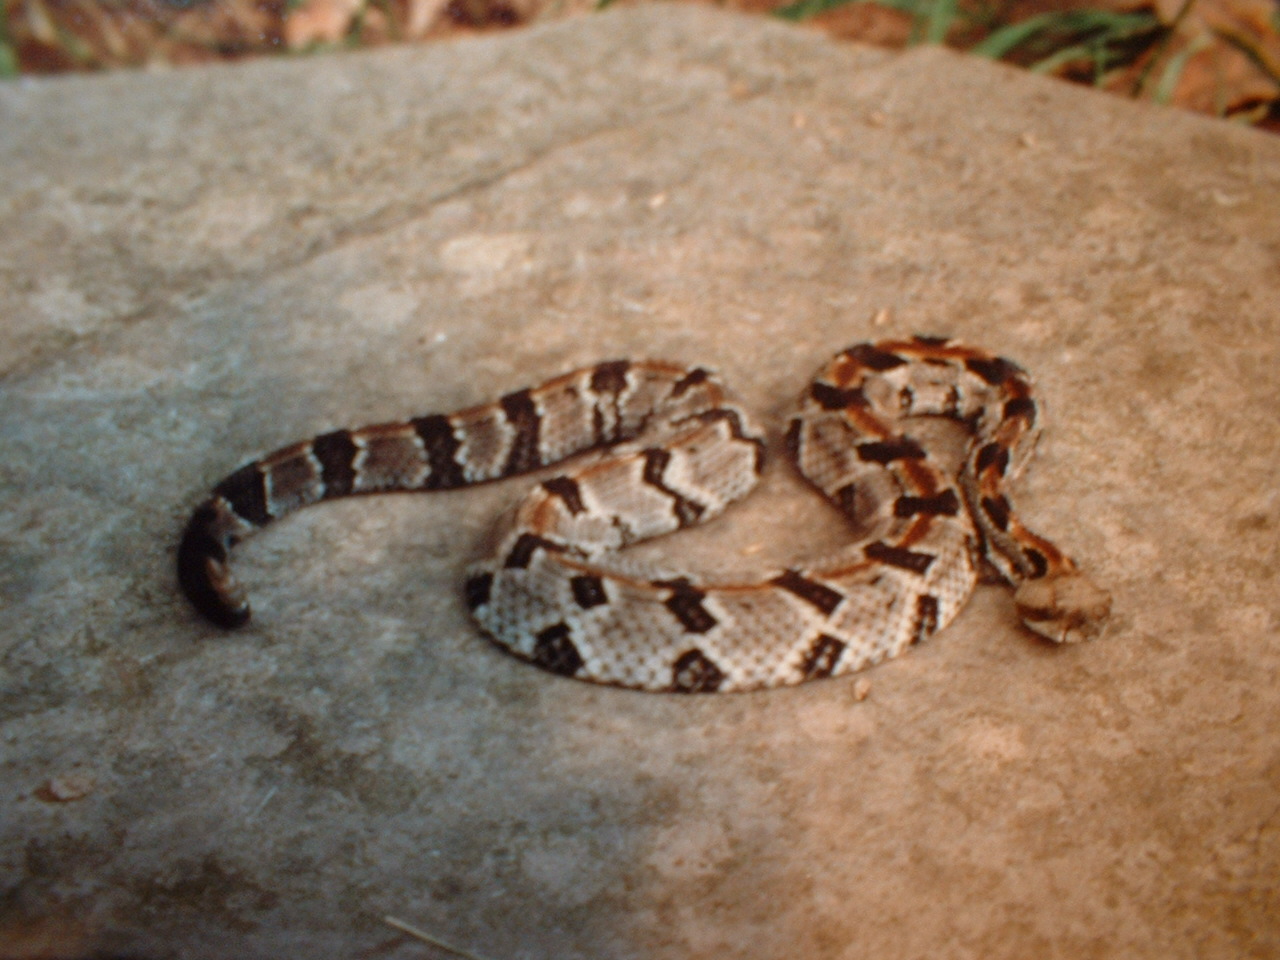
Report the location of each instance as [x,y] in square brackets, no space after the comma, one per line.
[673,448]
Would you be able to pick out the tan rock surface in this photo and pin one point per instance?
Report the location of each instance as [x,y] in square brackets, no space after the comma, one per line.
[202,265]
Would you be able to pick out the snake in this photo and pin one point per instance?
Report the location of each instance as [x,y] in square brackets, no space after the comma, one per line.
[653,447]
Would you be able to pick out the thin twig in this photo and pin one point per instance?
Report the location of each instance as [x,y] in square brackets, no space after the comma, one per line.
[428,938]
[1140,85]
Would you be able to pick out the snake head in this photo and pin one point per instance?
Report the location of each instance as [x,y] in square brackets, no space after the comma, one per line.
[1065,607]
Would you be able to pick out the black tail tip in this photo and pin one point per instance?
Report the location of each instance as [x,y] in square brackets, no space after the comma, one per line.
[200,554]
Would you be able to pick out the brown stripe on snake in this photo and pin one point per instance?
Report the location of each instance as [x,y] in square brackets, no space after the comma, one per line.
[656,460]
[478,589]
[685,604]
[608,381]
[441,447]
[588,590]
[994,370]
[679,450]
[899,557]
[877,357]
[886,451]
[830,397]
[821,659]
[944,503]
[926,617]
[553,650]
[336,453]
[693,672]
[245,492]
[522,414]
[993,456]
[567,489]
[810,591]
[524,548]
[1023,407]
[997,509]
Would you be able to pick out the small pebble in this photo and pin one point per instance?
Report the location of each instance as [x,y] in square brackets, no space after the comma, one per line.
[68,787]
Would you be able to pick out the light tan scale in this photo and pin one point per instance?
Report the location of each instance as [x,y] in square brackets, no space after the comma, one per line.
[671,448]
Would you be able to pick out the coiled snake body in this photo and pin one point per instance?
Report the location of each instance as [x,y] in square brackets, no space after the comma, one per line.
[675,449]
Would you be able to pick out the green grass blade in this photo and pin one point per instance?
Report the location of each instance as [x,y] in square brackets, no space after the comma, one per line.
[801,10]
[8,55]
[1172,72]
[1077,51]
[1006,38]
[804,9]
[1098,26]
[939,22]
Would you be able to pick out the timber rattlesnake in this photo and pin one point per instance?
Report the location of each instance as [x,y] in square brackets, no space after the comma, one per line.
[676,449]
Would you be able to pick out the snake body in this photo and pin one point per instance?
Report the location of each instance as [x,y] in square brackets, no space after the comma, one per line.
[673,448]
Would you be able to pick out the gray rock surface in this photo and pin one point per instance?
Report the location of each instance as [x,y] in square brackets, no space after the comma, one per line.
[198,266]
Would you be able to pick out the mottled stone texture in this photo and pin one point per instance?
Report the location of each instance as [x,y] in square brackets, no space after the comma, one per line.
[201,265]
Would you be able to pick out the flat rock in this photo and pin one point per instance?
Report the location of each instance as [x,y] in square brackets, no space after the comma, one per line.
[202,265]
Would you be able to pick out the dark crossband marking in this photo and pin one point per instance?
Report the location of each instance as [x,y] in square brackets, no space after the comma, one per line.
[810,591]
[873,358]
[336,453]
[685,604]
[554,651]
[945,503]
[526,545]
[898,557]
[992,455]
[198,540]
[588,591]
[608,381]
[522,414]
[1023,407]
[610,378]
[887,451]
[997,509]
[835,398]
[567,489]
[478,589]
[994,370]
[602,437]
[441,446]
[655,465]
[822,657]
[1038,562]
[926,617]
[925,340]
[691,379]
[693,672]
[246,492]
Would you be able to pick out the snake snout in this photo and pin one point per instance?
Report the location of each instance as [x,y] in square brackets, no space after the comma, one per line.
[1066,608]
